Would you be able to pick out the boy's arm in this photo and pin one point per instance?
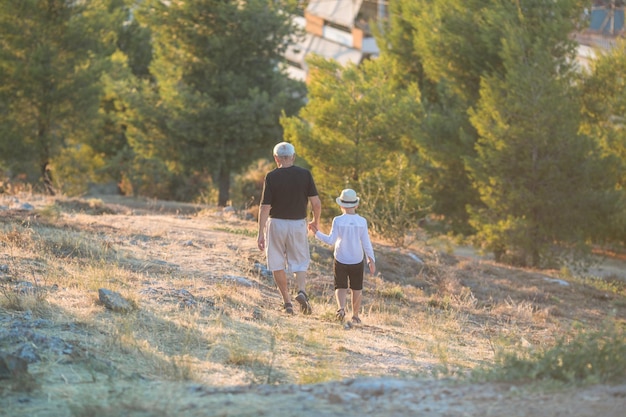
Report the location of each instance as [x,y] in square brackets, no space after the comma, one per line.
[371,264]
[368,249]
[328,239]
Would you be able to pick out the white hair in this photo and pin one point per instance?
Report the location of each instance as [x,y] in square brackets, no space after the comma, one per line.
[284,149]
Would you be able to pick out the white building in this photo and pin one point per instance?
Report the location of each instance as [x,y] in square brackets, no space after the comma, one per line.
[337,29]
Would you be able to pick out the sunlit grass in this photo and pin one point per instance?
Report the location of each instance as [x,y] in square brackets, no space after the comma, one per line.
[205,328]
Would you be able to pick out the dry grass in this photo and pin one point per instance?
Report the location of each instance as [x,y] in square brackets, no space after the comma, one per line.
[205,314]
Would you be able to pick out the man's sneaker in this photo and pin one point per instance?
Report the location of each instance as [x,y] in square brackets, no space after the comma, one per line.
[304,302]
[289,308]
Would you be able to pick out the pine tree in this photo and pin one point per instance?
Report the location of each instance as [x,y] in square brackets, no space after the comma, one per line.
[53,54]
[221,94]
[604,117]
[445,46]
[358,131]
[543,184]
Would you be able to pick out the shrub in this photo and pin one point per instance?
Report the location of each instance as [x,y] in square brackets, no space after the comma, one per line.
[597,356]
[248,186]
[393,201]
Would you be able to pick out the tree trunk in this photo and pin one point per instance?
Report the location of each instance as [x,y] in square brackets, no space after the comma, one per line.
[224,187]
[46,176]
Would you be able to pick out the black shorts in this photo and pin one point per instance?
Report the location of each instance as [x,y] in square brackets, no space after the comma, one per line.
[348,273]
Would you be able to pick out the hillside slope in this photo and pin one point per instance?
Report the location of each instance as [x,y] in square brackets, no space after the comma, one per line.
[206,334]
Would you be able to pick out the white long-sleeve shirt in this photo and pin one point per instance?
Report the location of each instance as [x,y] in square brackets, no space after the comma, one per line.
[350,237]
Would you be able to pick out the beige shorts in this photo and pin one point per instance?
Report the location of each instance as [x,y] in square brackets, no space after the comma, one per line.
[287,245]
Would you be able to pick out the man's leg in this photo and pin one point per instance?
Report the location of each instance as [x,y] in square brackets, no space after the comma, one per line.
[302,298]
[301,281]
[280,278]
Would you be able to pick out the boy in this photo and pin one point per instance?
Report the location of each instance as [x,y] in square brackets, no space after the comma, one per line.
[351,240]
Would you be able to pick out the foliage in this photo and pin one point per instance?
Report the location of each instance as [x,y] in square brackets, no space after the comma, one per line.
[583,357]
[531,161]
[141,158]
[53,54]
[456,41]
[351,115]
[444,47]
[393,201]
[219,91]
[134,41]
[248,186]
[76,168]
[358,130]
[110,143]
[129,69]
[603,110]
[457,117]
[447,142]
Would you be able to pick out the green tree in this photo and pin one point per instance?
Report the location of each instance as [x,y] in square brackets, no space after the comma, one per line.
[134,41]
[544,186]
[604,118]
[145,159]
[106,156]
[128,74]
[457,41]
[358,130]
[53,54]
[215,64]
[445,46]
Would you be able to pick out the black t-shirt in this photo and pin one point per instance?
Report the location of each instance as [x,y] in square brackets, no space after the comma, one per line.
[287,191]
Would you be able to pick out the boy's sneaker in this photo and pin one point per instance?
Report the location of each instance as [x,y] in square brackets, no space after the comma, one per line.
[340,314]
[304,302]
[288,308]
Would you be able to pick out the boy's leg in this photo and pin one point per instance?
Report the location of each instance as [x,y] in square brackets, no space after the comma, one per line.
[340,295]
[341,288]
[356,302]
[356,288]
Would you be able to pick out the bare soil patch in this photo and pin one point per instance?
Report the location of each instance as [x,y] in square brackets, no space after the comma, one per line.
[208,336]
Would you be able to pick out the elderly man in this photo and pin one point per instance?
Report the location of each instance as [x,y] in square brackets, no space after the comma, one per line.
[283,228]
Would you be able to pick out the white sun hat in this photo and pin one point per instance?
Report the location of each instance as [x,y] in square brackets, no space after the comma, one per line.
[348,198]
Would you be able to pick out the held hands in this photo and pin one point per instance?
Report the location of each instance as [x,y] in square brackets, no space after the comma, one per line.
[371,266]
[313,227]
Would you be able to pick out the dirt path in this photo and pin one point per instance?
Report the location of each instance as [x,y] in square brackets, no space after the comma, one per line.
[214,247]
[399,398]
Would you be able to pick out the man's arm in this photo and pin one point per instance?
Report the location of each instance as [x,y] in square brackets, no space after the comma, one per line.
[264,214]
[316,206]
